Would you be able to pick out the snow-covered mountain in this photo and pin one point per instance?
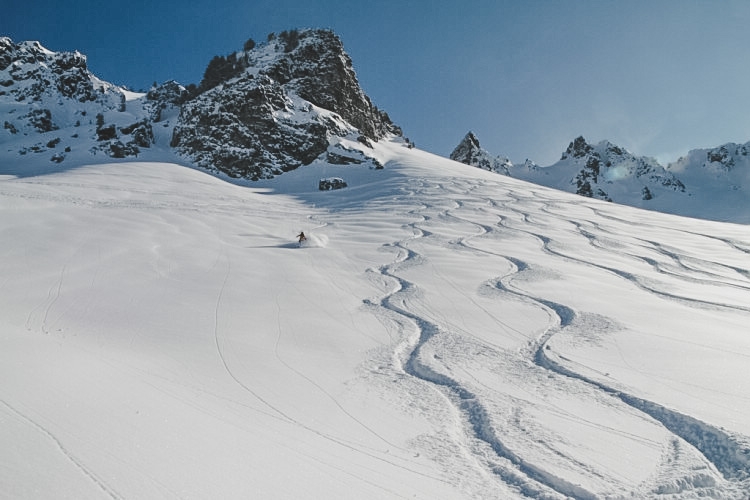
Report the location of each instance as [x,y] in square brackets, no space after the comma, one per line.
[606,166]
[257,113]
[53,107]
[278,106]
[707,183]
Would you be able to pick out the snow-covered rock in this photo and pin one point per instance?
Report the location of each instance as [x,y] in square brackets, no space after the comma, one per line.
[604,170]
[729,163]
[257,113]
[51,103]
[331,183]
[278,106]
[605,167]
[164,100]
[42,90]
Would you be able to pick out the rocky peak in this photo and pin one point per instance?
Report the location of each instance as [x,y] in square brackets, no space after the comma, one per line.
[277,106]
[577,149]
[35,83]
[30,71]
[466,149]
[470,152]
[53,95]
[604,164]
[315,65]
[312,64]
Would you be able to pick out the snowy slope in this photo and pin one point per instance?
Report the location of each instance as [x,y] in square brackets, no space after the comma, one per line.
[448,333]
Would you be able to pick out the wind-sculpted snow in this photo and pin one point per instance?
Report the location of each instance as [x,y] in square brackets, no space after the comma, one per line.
[447,333]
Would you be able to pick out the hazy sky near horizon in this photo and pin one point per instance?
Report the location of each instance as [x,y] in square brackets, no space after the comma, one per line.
[658,77]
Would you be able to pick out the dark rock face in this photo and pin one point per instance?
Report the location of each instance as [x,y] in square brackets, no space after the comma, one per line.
[470,152]
[278,108]
[577,149]
[141,133]
[239,129]
[321,72]
[727,156]
[122,142]
[106,133]
[41,120]
[169,94]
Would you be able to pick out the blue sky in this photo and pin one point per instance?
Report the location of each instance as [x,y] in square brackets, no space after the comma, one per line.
[659,77]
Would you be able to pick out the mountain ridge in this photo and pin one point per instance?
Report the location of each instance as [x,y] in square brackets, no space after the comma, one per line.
[719,176]
[258,113]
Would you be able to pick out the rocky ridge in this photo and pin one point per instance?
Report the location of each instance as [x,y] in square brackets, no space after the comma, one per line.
[257,113]
[717,176]
[53,97]
[586,169]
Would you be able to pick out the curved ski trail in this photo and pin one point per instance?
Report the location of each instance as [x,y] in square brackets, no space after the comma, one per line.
[529,479]
[726,453]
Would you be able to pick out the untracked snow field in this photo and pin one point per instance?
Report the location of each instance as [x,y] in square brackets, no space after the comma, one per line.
[446,333]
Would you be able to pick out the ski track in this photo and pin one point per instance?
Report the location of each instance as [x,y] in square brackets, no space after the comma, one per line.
[283,416]
[320,388]
[98,482]
[726,452]
[529,479]
[53,294]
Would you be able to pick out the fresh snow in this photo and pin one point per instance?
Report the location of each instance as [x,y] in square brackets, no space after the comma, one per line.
[447,333]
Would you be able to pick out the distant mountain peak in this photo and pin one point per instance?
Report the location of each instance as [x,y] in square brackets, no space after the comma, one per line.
[602,166]
[470,152]
[603,170]
[578,148]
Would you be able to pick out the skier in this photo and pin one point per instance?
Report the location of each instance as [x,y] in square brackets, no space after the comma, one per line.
[301,237]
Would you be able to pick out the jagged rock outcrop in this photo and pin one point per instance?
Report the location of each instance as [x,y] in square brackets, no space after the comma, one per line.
[470,152]
[46,92]
[605,164]
[723,159]
[165,100]
[281,105]
[726,166]
[37,79]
